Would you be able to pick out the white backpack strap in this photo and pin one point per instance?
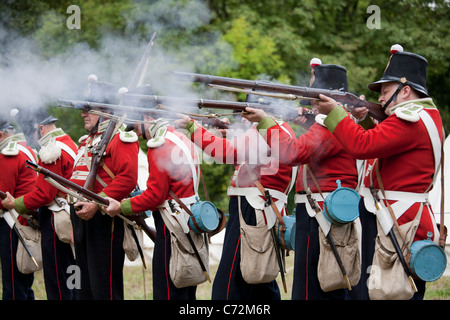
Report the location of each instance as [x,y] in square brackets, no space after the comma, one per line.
[27,152]
[435,141]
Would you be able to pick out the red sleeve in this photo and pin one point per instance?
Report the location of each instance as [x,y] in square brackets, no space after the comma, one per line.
[221,149]
[158,184]
[309,147]
[392,136]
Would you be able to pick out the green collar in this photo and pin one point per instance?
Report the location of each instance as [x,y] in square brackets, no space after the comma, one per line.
[52,134]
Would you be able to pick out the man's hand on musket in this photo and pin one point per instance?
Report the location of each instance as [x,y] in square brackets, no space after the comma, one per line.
[301,119]
[113,208]
[325,104]
[86,210]
[360,113]
[8,202]
[254,115]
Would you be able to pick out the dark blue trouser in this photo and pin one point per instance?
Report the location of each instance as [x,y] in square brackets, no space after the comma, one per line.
[16,285]
[306,284]
[57,256]
[228,282]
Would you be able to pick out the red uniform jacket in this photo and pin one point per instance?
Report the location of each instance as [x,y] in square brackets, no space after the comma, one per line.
[16,178]
[122,160]
[322,152]
[404,151]
[168,170]
[62,165]
[251,148]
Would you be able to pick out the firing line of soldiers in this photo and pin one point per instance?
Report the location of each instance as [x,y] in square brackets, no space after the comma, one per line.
[398,158]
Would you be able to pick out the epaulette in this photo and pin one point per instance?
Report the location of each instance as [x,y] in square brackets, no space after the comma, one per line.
[128,136]
[159,138]
[50,152]
[409,112]
[10,149]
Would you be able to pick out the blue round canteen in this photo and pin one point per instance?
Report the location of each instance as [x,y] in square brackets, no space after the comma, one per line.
[428,261]
[341,206]
[289,234]
[206,216]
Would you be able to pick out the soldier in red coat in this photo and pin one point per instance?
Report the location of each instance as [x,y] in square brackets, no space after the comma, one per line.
[406,144]
[238,147]
[98,238]
[16,180]
[57,154]
[327,161]
[173,166]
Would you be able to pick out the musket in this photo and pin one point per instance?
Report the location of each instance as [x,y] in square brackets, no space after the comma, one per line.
[287,113]
[269,202]
[387,223]
[330,239]
[293,92]
[138,76]
[63,184]
[12,224]
[159,111]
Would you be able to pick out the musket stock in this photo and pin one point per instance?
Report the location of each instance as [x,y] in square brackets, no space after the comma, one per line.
[346,98]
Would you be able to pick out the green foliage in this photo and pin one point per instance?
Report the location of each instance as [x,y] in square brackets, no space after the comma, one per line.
[246,39]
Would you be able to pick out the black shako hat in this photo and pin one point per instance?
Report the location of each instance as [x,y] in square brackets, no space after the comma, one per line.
[135,101]
[29,119]
[404,67]
[327,76]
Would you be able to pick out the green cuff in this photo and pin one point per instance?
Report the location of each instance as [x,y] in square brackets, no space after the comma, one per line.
[265,123]
[20,205]
[334,117]
[191,127]
[125,207]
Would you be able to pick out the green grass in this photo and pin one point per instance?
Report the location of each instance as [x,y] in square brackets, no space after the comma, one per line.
[138,284]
